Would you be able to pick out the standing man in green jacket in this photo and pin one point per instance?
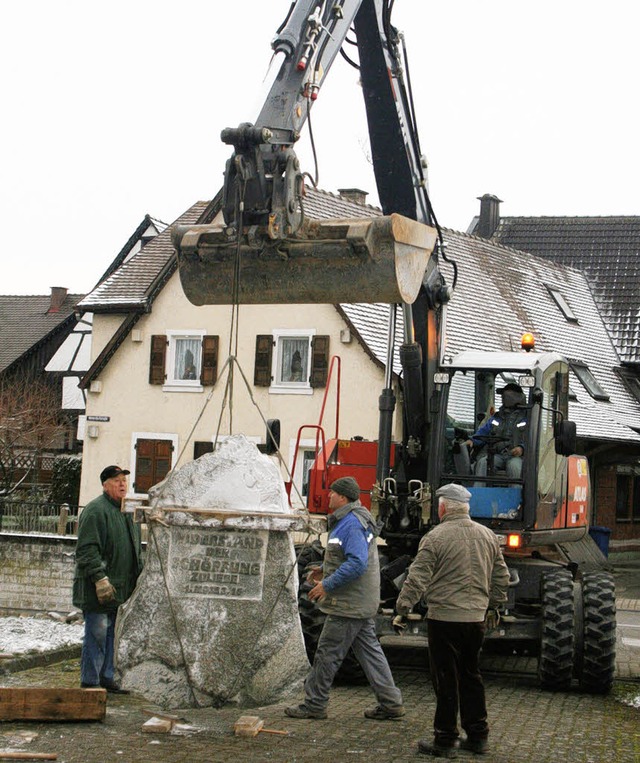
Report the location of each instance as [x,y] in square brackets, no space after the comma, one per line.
[460,573]
[108,563]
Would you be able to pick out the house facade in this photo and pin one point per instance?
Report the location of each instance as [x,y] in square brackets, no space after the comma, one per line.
[158,390]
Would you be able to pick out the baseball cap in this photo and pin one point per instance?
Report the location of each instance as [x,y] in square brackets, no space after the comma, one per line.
[511,386]
[112,471]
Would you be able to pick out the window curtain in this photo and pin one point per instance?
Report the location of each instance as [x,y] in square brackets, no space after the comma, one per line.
[187,359]
[294,362]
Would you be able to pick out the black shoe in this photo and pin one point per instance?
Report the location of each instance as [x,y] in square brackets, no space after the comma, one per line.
[478,746]
[90,686]
[302,711]
[113,688]
[380,713]
[427,747]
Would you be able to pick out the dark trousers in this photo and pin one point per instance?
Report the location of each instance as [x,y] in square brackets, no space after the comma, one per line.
[454,652]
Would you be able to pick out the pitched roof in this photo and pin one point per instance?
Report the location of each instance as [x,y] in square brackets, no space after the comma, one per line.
[511,281]
[25,323]
[130,287]
[606,248]
[513,284]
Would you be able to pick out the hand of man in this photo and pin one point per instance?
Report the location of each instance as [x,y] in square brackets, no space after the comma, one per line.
[317,592]
[105,591]
[492,619]
[314,575]
[399,623]
[517,451]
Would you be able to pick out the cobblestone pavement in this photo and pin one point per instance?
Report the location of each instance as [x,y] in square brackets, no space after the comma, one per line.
[528,725]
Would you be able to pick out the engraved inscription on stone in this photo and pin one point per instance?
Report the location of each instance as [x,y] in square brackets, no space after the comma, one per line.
[217,564]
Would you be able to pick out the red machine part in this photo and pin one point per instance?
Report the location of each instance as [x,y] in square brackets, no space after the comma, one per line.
[346,458]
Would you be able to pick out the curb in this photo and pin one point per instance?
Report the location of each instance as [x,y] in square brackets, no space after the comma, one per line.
[40,659]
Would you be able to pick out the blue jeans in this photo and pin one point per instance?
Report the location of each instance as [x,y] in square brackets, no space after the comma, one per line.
[96,663]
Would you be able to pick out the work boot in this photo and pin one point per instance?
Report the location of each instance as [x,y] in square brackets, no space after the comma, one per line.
[380,713]
[478,746]
[302,711]
[113,688]
[429,747]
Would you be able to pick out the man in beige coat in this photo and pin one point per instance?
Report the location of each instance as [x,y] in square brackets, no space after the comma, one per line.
[460,574]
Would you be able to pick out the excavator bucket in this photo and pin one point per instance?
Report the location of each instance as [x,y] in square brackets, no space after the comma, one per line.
[373,259]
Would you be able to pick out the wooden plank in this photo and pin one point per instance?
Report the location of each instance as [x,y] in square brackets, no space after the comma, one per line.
[28,755]
[52,704]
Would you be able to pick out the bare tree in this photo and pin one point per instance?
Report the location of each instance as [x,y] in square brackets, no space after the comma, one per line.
[30,424]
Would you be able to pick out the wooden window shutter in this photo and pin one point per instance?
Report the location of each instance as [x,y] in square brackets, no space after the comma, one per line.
[153,461]
[209,373]
[319,361]
[157,360]
[264,353]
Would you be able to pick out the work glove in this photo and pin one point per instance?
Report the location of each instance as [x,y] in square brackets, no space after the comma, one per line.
[105,591]
[492,619]
[399,623]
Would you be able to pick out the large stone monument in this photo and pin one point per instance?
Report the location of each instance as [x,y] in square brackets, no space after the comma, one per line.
[214,616]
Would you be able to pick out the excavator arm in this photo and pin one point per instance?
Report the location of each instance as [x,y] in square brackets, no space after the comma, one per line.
[265,250]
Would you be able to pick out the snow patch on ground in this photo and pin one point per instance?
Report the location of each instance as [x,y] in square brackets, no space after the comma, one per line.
[28,635]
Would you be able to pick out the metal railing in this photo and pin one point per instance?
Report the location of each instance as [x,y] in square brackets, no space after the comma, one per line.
[38,517]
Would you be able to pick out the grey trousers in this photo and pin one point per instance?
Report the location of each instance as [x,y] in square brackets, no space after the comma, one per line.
[338,635]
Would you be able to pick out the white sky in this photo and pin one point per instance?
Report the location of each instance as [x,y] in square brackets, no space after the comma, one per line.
[112,110]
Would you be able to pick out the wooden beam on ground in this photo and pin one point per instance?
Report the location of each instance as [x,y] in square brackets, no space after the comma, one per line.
[28,755]
[52,704]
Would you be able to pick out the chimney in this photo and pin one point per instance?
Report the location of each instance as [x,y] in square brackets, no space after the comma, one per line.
[353,194]
[489,215]
[58,296]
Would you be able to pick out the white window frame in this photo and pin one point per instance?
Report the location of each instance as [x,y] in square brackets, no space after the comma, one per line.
[290,388]
[135,436]
[304,444]
[181,385]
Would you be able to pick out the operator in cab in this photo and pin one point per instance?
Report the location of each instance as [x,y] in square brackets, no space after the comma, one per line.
[502,435]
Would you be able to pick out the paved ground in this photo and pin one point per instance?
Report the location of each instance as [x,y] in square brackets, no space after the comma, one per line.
[527,724]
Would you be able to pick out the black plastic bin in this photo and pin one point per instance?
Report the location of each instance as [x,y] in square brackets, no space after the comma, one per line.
[601,537]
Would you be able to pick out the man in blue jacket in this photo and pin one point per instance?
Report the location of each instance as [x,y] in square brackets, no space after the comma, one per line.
[347,588]
[108,562]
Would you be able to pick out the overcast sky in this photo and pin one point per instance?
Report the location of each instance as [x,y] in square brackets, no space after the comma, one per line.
[113,110]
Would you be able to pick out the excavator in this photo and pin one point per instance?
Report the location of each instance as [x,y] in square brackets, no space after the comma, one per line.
[561,597]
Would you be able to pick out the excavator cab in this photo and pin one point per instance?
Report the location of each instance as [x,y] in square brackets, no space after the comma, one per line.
[507,438]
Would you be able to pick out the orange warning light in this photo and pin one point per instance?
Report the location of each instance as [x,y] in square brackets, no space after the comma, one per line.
[527,342]
[514,540]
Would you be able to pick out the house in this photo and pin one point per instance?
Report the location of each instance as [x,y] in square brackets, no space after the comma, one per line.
[607,250]
[174,355]
[73,358]
[158,378]
[32,328]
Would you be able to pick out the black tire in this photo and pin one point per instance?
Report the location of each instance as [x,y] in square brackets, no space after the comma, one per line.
[598,662]
[555,662]
[312,619]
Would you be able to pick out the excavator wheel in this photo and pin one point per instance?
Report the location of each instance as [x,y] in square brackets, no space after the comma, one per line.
[312,619]
[555,662]
[599,635]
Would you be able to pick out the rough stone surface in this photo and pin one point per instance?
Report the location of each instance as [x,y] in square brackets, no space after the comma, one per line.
[214,617]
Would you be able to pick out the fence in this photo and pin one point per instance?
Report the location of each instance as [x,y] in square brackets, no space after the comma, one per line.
[38,517]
